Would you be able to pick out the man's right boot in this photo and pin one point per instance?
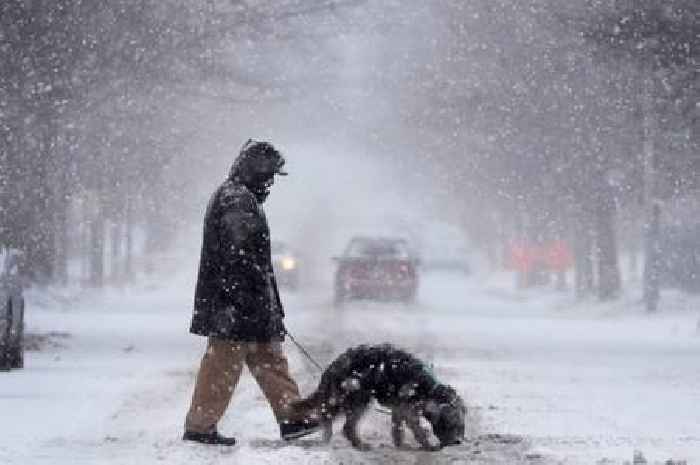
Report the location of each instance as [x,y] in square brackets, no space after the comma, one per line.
[296,429]
[209,438]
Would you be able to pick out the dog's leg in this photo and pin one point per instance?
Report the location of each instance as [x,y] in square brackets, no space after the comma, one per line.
[420,433]
[352,419]
[397,419]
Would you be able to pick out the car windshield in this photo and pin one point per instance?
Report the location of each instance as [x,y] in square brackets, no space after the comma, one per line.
[377,248]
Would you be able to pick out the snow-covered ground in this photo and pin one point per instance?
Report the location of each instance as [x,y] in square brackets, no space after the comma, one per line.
[546,379]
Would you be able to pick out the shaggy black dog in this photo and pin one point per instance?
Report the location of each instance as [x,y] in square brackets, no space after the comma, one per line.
[398,381]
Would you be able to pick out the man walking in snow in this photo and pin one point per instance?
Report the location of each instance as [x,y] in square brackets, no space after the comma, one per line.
[237,304]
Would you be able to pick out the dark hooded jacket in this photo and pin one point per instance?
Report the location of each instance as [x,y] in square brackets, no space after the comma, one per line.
[236,297]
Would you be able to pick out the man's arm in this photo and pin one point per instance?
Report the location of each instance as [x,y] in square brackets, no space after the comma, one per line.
[241,220]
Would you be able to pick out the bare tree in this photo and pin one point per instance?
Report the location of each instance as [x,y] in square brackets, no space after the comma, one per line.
[662,39]
[87,96]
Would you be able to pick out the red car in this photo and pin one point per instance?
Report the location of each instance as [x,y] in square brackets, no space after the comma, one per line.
[376,268]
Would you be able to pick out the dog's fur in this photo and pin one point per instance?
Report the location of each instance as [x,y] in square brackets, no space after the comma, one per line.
[398,381]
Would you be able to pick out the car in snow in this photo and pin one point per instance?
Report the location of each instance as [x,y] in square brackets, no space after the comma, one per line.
[380,268]
[286,264]
[11,310]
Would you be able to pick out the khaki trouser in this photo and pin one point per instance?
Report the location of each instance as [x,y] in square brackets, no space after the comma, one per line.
[218,375]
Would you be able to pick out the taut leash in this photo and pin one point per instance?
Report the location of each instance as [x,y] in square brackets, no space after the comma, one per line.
[303,351]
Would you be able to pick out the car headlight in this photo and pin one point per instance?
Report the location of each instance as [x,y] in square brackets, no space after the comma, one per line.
[288,263]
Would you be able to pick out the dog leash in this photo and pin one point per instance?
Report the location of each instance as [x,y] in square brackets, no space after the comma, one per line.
[320,368]
[303,351]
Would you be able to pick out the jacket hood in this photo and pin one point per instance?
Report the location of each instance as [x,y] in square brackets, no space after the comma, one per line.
[257,161]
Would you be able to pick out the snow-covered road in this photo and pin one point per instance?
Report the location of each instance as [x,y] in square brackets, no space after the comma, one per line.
[547,380]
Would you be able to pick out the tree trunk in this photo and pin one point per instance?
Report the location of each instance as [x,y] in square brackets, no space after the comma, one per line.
[652,264]
[61,202]
[633,264]
[61,258]
[609,281]
[41,240]
[115,240]
[583,254]
[129,246]
[83,254]
[97,232]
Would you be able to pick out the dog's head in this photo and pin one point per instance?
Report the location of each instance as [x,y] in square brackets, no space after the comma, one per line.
[446,413]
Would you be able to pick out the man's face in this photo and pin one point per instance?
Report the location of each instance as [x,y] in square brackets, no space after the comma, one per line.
[261,186]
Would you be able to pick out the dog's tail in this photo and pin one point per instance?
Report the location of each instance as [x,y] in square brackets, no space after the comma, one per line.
[316,400]
[309,403]
[325,399]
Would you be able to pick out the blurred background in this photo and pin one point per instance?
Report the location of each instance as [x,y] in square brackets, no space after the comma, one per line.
[555,139]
